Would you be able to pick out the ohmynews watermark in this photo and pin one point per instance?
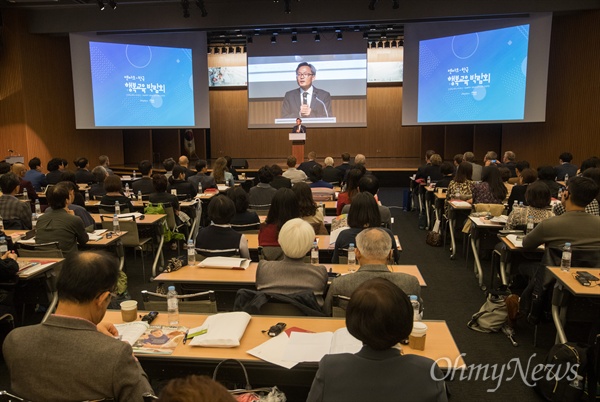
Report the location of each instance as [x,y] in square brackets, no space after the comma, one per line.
[530,373]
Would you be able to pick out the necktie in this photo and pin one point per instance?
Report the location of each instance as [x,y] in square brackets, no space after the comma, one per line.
[304,98]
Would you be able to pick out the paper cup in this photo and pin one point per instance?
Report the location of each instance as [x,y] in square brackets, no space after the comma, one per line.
[416,339]
[129,310]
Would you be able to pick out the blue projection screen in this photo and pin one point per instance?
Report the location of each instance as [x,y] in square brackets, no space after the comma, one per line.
[144,86]
[478,76]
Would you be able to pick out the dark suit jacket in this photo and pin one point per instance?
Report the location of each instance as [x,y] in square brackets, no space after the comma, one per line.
[302,129]
[332,175]
[320,104]
[84,176]
[565,168]
[390,377]
[306,166]
[280,181]
[206,180]
[144,185]
[53,177]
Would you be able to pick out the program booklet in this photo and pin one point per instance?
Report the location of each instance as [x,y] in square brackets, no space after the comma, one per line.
[151,339]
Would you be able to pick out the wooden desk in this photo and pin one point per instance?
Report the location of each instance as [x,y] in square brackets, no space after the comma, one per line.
[195,274]
[478,223]
[187,359]
[566,283]
[16,235]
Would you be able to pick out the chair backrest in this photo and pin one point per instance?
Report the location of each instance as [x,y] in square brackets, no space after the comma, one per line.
[168,208]
[275,307]
[246,228]
[270,253]
[203,302]
[260,207]
[338,305]
[110,209]
[126,224]
[494,209]
[322,193]
[48,250]
[584,258]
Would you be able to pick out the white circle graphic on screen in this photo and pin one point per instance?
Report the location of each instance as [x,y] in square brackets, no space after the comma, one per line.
[156,101]
[524,66]
[465,46]
[138,56]
[478,93]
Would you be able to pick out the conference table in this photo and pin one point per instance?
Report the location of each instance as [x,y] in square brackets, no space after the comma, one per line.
[455,207]
[478,226]
[188,359]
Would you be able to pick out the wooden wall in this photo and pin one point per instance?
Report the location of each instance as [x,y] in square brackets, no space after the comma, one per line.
[37,116]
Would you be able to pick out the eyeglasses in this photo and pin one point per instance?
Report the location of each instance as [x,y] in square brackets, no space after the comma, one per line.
[302,75]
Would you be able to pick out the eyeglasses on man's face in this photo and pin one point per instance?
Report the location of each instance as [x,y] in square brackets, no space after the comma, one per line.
[302,75]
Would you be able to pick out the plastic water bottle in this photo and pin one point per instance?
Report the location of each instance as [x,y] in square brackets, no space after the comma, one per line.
[173,306]
[127,192]
[134,174]
[87,196]
[3,245]
[191,252]
[529,224]
[116,225]
[428,181]
[140,195]
[515,205]
[200,188]
[566,179]
[117,208]
[314,253]
[522,212]
[351,258]
[414,300]
[33,220]
[565,261]
[38,208]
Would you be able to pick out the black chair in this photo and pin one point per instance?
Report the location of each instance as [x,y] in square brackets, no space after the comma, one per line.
[14,224]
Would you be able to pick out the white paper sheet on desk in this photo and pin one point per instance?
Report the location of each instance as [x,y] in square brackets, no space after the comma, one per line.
[499,219]
[28,241]
[225,263]
[97,234]
[272,351]
[334,234]
[134,214]
[223,330]
[519,242]
[460,204]
[222,187]
[311,347]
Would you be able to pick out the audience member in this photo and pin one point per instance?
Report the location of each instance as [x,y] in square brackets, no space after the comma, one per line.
[230,167]
[379,314]
[293,275]
[194,388]
[67,175]
[374,249]
[284,207]
[331,174]
[462,183]
[565,166]
[113,187]
[457,160]
[262,194]
[184,162]
[78,210]
[145,183]
[315,175]
[491,190]
[360,160]
[75,344]
[546,176]
[59,224]
[308,165]
[491,159]
[505,176]
[179,183]
[24,185]
[219,239]
[432,170]
[201,178]
[55,167]
[278,180]
[538,206]
[10,207]
[420,173]
[589,163]
[105,163]
[519,167]
[295,175]
[97,189]
[309,211]
[469,157]
[4,167]
[345,197]
[364,213]
[169,164]
[243,219]
[160,194]
[369,183]
[83,174]
[35,175]
[220,173]
[509,161]
[526,177]
[345,166]
[447,172]
[593,207]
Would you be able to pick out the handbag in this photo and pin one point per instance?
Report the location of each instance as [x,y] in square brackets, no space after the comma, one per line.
[249,394]
[434,237]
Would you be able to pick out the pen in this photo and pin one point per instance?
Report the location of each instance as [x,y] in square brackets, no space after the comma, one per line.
[185,337]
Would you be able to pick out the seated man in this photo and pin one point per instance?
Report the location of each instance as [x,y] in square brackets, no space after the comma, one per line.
[278,180]
[60,224]
[315,175]
[145,183]
[331,174]
[55,167]
[308,165]
[81,212]
[179,183]
[83,174]
[201,177]
[292,173]
[373,249]
[10,206]
[370,183]
[97,189]
[35,175]
[73,356]
[262,194]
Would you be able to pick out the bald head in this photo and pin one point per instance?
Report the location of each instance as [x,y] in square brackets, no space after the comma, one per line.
[360,159]
[374,244]
[19,169]
[183,160]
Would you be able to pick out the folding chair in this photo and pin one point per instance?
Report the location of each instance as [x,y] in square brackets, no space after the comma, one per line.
[339,303]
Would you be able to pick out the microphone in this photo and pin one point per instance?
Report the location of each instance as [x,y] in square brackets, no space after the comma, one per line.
[304,98]
[323,103]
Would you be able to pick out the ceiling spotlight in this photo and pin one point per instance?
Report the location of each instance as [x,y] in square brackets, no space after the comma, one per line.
[101,4]
[294,38]
[339,36]
[396,4]
[112,4]
[200,4]
[372,4]
[273,39]
[317,38]
[185,5]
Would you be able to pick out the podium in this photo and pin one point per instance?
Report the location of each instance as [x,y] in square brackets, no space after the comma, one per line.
[298,140]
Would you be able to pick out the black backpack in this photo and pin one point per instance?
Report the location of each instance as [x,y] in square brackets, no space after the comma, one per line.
[563,376]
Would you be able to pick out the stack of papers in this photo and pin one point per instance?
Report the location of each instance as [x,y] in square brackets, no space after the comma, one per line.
[97,234]
[222,330]
[225,263]
[460,204]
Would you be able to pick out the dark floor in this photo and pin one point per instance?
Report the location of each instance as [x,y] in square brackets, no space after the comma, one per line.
[452,294]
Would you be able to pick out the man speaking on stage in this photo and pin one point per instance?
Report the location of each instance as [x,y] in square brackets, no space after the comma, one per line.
[306,101]
[299,128]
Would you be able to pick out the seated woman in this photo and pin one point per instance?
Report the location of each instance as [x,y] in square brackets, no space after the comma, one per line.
[292,274]
[113,187]
[491,190]
[345,197]
[379,314]
[243,218]
[526,177]
[177,182]
[538,206]
[220,173]
[447,171]
[363,214]
[284,207]
[505,175]
[309,211]
[462,185]
[219,239]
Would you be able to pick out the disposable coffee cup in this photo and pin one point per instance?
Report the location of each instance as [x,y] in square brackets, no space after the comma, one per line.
[416,339]
[129,310]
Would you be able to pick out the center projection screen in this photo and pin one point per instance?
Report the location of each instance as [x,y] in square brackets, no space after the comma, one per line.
[338,77]
[140,80]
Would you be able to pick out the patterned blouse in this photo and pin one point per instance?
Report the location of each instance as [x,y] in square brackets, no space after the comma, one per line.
[482,194]
[518,216]
[464,189]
